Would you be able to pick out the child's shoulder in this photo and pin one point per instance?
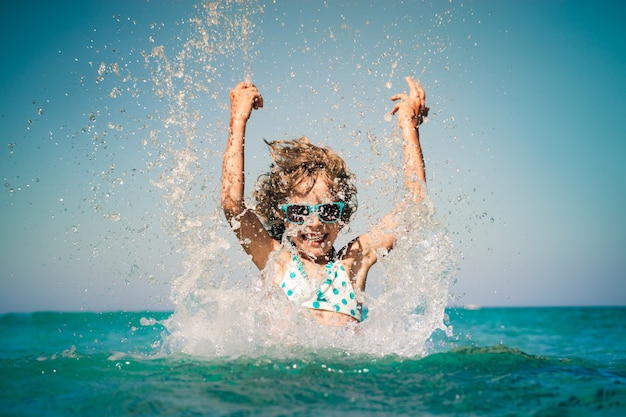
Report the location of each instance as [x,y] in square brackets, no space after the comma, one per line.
[279,263]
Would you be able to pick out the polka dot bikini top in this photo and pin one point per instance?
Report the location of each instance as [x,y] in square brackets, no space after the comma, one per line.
[334,294]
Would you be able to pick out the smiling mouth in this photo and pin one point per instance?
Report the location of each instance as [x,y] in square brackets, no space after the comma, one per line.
[316,238]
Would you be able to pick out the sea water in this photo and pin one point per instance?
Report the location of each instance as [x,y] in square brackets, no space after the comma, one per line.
[498,362]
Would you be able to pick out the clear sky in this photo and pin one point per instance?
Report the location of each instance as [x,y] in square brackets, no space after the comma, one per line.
[524,145]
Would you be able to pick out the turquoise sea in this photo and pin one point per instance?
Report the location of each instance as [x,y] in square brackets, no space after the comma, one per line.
[495,362]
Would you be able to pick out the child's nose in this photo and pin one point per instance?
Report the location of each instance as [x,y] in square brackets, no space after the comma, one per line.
[313,219]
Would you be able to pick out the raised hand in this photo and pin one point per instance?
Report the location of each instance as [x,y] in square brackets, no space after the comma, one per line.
[243,99]
[412,108]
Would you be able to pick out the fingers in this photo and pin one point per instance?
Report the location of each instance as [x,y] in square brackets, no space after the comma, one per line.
[257,101]
[411,108]
[245,85]
[401,96]
[247,89]
[416,91]
[421,94]
[413,86]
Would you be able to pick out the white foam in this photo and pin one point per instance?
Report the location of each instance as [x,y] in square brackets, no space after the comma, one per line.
[257,318]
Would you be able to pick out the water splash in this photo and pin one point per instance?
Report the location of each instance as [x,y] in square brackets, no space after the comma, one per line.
[257,319]
[213,316]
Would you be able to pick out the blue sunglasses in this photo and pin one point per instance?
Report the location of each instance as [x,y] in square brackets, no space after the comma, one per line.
[326,212]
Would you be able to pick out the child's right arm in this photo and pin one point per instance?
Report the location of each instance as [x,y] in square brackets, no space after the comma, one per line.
[249,230]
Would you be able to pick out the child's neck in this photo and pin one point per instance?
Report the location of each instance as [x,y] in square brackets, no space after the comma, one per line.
[319,260]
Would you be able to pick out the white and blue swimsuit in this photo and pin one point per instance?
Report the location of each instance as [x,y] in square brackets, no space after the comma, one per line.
[334,294]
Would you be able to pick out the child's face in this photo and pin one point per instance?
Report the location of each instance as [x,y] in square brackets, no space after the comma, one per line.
[314,238]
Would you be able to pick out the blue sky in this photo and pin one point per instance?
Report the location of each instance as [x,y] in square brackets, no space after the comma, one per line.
[524,144]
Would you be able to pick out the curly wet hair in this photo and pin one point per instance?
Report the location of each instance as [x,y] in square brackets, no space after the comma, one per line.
[297,165]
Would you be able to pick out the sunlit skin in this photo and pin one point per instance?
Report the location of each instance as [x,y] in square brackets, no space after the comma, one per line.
[314,239]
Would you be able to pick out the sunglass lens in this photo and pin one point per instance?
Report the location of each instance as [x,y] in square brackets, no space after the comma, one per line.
[330,212]
[297,213]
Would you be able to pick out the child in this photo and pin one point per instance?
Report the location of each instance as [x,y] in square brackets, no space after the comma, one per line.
[304,201]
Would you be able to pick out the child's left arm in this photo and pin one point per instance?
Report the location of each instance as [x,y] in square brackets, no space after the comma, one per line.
[411,111]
